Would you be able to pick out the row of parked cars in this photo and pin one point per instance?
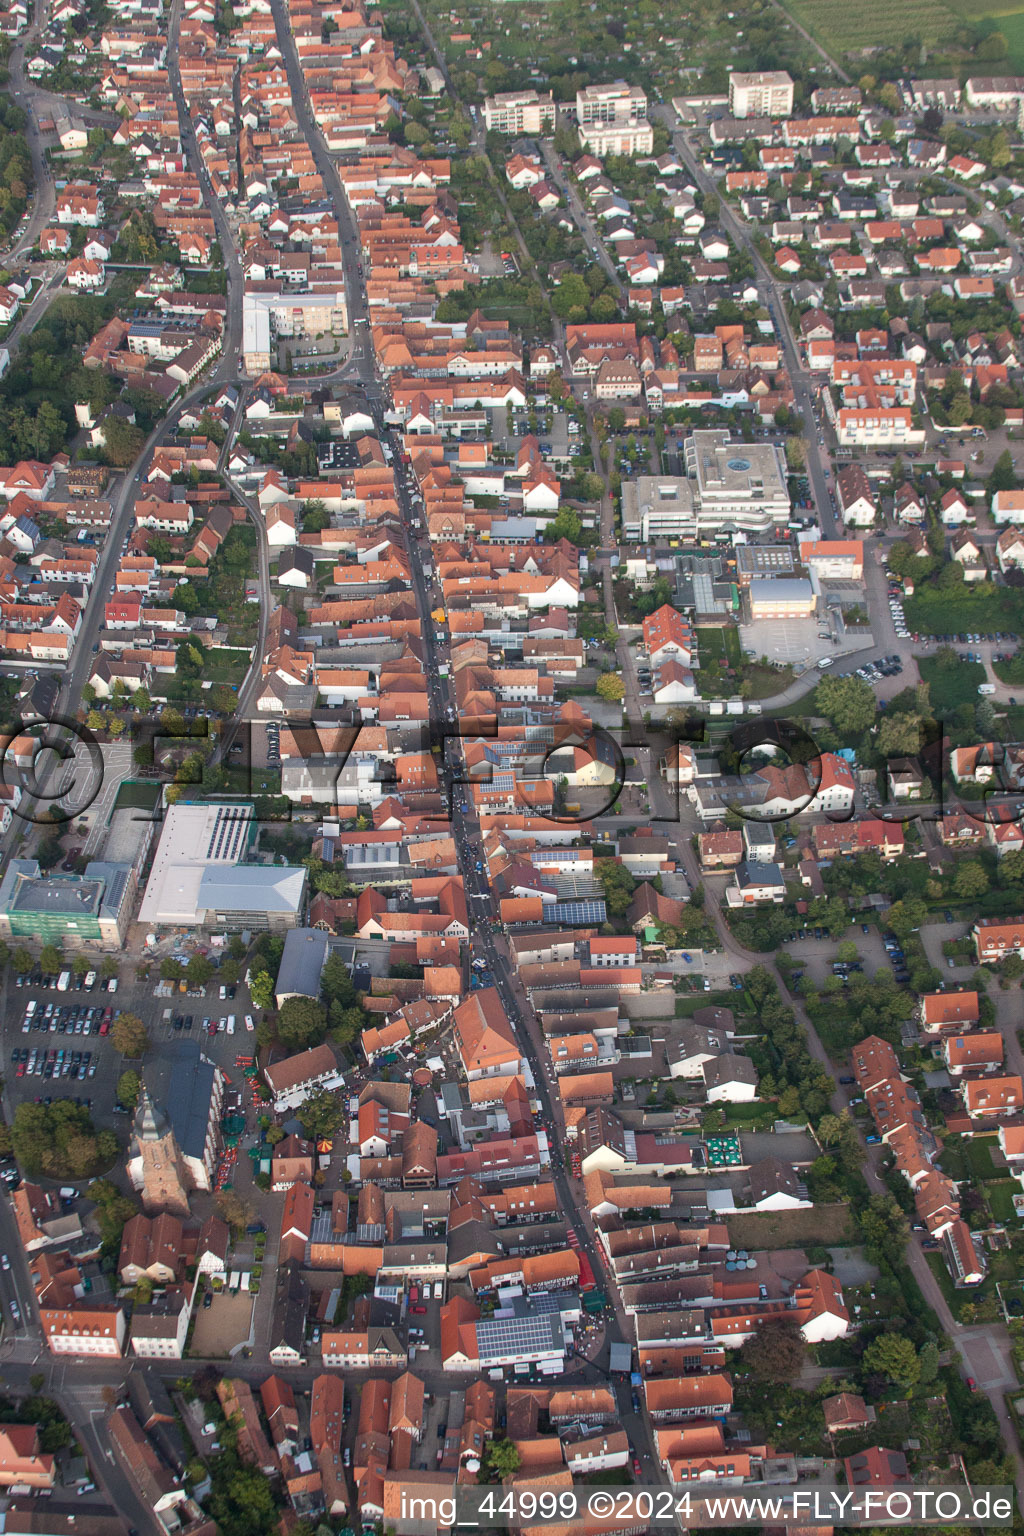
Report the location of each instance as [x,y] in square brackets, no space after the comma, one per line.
[74,1019]
[56,1062]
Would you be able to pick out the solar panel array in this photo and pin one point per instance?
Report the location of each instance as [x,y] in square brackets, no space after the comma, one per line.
[230,826]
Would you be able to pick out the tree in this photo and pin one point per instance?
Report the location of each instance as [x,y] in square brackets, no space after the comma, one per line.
[970,880]
[617,883]
[301,1023]
[774,1353]
[502,1459]
[22,960]
[905,916]
[122,442]
[321,1115]
[847,952]
[51,959]
[884,1226]
[128,1036]
[128,1087]
[609,686]
[894,1355]
[1003,476]
[199,970]
[234,1210]
[81,965]
[108,967]
[171,969]
[262,990]
[848,703]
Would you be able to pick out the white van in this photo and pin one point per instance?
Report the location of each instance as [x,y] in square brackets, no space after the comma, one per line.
[986,687]
[231,1023]
[825,661]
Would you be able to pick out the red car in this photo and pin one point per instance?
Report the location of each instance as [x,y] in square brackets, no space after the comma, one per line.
[636,1466]
[21,1069]
[417,1309]
[104,1028]
[972,1383]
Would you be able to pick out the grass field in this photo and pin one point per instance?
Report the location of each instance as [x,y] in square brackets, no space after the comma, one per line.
[842,26]
[1007,16]
[830,1225]
[949,687]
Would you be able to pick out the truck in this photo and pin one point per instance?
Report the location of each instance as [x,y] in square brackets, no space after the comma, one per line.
[63,981]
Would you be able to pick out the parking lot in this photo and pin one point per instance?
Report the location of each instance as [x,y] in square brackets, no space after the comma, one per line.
[70,1029]
[790,640]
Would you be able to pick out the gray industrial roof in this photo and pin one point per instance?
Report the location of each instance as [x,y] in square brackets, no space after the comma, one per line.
[189,1092]
[251,888]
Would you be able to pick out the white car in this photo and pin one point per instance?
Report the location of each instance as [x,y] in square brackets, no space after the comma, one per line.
[249,1023]
[5,1262]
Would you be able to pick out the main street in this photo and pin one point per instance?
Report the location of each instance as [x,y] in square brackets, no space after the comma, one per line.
[482,909]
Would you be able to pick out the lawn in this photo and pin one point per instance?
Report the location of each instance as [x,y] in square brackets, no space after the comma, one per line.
[970,1159]
[977,609]
[999,1193]
[716,642]
[950,686]
[842,26]
[828,1225]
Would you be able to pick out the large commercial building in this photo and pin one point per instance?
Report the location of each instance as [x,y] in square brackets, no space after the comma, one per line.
[519,112]
[200,878]
[728,487]
[612,119]
[94,908]
[768,93]
[272,308]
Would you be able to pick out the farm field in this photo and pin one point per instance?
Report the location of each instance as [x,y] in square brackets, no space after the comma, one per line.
[843,26]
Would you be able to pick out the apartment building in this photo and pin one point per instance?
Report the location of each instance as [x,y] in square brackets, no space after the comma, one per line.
[519,112]
[612,119]
[766,93]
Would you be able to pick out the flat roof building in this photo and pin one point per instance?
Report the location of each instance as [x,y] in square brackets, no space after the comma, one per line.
[93,908]
[519,112]
[766,93]
[199,877]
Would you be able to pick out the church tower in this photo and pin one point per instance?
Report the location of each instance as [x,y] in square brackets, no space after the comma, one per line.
[156,1166]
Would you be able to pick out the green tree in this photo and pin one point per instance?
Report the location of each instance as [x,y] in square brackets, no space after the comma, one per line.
[774,1353]
[302,1022]
[199,970]
[262,990]
[894,1355]
[501,1460]
[609,686]
[848,703]
[128,1036]
[22,960]
[617,884]
[81,965]
[122,442]
[129,1085]
[970,880]
[907,915]
[321,1115]
[51,959]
